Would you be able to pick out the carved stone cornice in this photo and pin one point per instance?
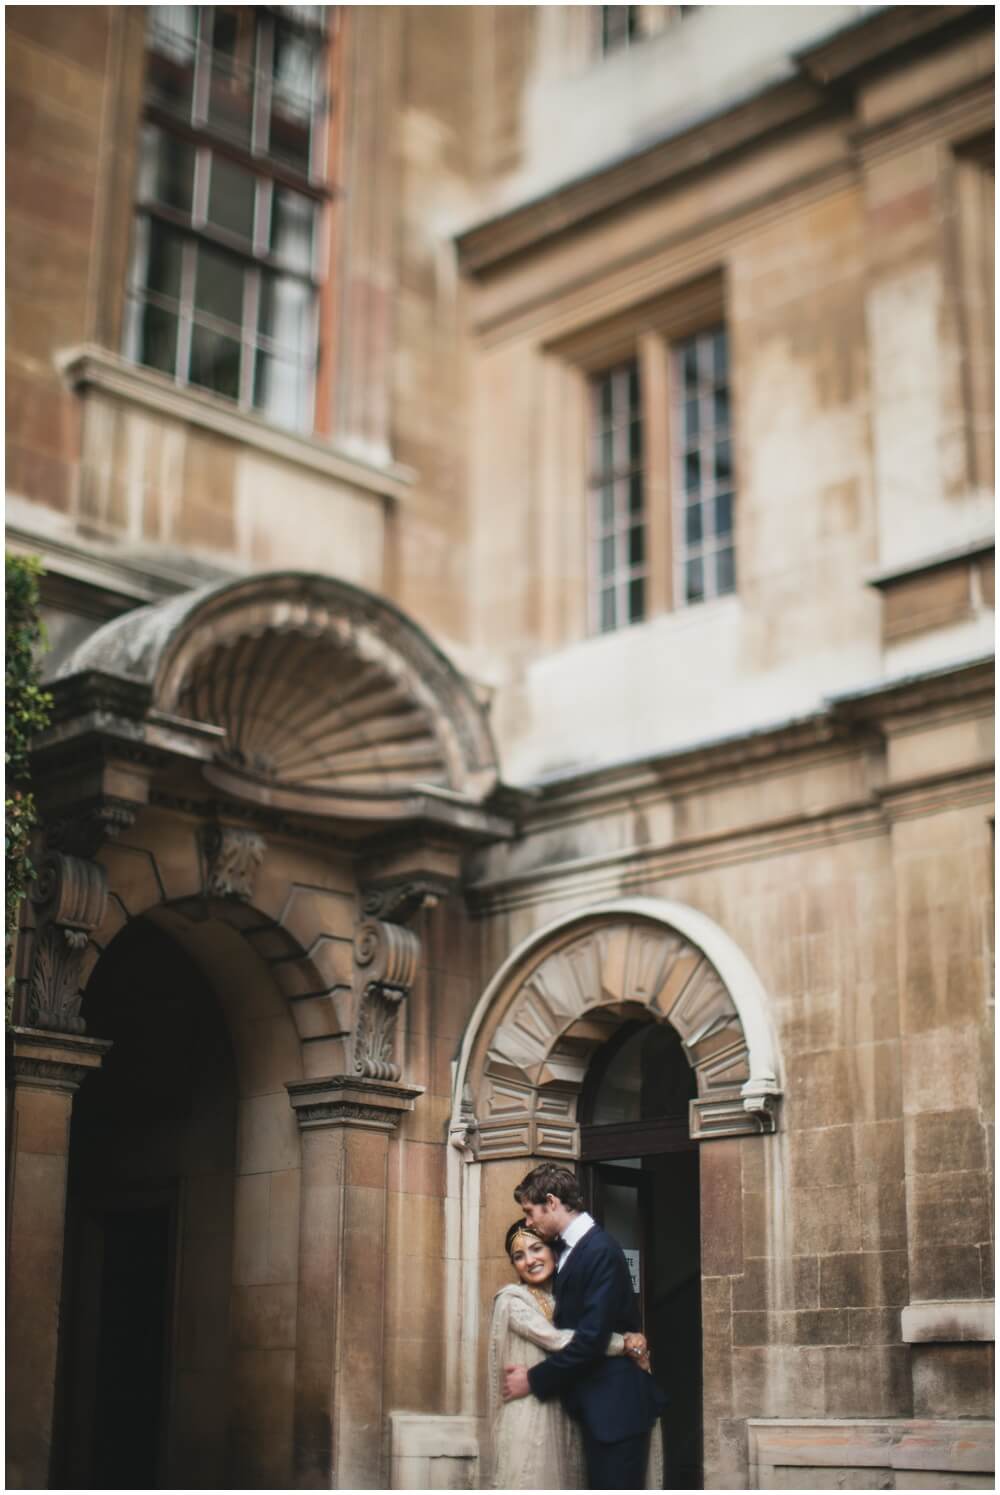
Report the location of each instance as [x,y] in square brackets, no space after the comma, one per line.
[48,1061]
[351,1101]
[232,857]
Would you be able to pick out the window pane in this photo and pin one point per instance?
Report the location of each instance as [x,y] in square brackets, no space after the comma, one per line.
[607,504]
[286,313]
[694,581]
[605,452]
[692,524]
[292,71]
[633,389]
[635,494]
[691,421]
[722,408]
[607,610]
[608,555]
[689,363]
[636,599]
[170,69]
[605,400]
[166,169]
[720,357]
[280,390]
[723,514]
[292,222]
[723,462]
[635,442]
[231,196]
[158,256]
[219,285]
[230,105]
[151,336]
[215,362]
[692,472]
[725,574]
[636,545]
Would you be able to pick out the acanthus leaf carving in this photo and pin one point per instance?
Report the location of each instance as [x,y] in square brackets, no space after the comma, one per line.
[70,896]
[232,856]
[385,956]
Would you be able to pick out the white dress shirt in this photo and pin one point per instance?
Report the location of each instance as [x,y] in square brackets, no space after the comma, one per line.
[575,1231]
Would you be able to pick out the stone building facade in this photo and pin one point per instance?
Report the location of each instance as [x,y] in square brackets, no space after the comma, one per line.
[522,676]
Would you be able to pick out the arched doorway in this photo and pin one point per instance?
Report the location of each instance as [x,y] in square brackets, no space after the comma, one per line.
[547,1031]
[145,1349]
[640,1173]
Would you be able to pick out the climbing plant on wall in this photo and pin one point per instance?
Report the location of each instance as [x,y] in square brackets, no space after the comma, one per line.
[27,712]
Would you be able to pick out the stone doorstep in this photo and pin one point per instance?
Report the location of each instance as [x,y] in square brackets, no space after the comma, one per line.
[950,1447]
[949,1322]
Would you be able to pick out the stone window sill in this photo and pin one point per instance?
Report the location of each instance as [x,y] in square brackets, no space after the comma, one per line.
[90,367]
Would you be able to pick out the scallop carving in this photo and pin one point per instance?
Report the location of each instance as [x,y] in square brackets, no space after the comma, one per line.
[298,710]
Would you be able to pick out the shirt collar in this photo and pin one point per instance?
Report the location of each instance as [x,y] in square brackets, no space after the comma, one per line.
[577,1228]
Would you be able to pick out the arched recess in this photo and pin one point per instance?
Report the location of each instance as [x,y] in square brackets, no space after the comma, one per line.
[562,994]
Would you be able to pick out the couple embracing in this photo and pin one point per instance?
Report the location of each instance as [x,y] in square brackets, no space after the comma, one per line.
[574,1404]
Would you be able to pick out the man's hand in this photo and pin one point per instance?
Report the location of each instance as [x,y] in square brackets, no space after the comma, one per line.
[515,1382]
[637,1348]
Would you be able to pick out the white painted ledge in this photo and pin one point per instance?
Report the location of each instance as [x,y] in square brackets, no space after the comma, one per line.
[90,367]
[944,1322]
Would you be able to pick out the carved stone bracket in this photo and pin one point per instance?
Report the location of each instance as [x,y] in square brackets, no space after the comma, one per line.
[385,958]
[400,901]
[344,1100]
[44,1061]
[69,896]
[232,856]
[83,832]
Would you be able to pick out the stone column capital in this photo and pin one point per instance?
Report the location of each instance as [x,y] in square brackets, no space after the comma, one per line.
[42,1060]
[351,1101]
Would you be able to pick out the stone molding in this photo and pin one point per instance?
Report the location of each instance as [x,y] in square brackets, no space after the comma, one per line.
[949,1322]
[562,994]
[53,1061]
[89,367]
[930,1446]
[233,855]
[354,1101]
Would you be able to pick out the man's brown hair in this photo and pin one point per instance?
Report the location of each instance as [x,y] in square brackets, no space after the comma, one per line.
[546,1179]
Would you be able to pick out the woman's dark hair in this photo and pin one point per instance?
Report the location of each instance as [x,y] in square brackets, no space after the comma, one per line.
[546,1179]
[522,1227]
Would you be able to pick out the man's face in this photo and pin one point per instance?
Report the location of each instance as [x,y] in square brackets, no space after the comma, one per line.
[548,1218]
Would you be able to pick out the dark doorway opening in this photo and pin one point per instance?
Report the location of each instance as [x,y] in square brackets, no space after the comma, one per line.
[640,1168]
[148,1231]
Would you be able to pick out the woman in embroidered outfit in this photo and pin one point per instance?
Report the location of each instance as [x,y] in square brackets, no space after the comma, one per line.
[536,1445]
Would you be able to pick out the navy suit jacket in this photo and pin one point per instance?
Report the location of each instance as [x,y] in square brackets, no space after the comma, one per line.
[609,1394]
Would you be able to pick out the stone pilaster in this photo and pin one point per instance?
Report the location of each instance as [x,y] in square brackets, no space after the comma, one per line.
[45,1071]
[345,1123]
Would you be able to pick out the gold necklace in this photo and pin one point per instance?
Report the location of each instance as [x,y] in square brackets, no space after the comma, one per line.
[545,1301]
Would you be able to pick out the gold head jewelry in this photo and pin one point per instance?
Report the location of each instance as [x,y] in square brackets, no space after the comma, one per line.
[522,1241]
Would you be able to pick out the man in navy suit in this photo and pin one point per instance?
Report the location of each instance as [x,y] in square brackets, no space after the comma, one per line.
[615,1402]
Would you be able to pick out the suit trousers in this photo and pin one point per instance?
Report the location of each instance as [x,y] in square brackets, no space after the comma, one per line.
[616,1466]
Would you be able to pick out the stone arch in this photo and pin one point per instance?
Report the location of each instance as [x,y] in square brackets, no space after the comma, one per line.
[300,932]
[562,993]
